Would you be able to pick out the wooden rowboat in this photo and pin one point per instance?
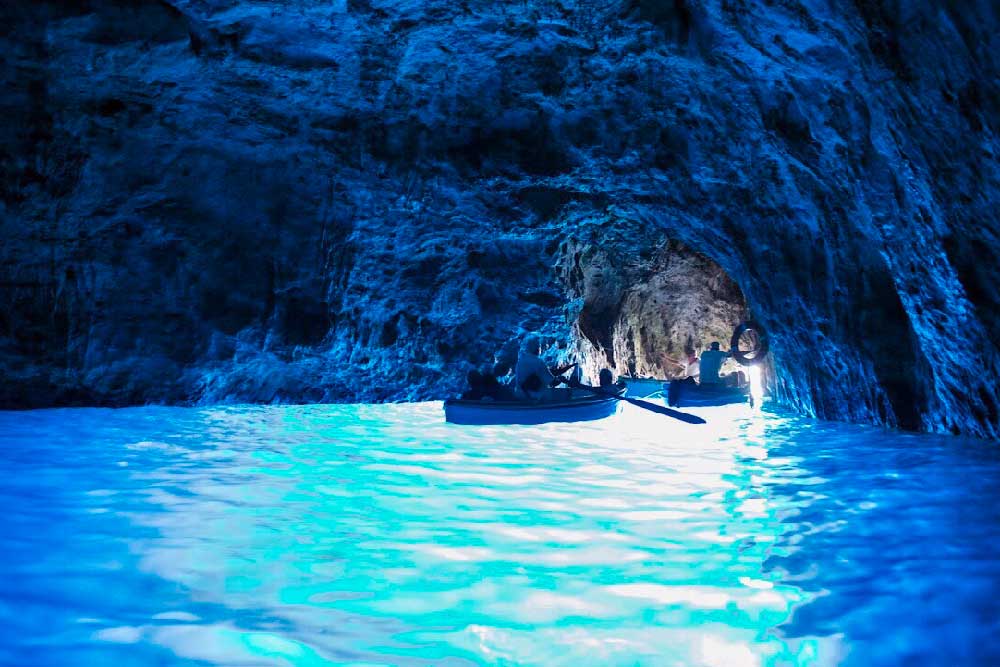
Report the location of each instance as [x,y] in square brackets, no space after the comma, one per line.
[567,405]
[685,394]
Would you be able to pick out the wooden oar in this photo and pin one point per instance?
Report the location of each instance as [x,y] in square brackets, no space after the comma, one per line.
[639,403]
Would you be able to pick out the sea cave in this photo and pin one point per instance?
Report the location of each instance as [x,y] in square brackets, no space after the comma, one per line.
[252,254]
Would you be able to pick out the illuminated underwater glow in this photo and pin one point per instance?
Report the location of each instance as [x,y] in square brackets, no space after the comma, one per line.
[379,535]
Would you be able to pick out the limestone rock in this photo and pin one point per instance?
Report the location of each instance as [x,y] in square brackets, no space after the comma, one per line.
[217,200]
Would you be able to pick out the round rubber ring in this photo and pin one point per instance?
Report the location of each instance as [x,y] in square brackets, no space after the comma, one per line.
[749,357]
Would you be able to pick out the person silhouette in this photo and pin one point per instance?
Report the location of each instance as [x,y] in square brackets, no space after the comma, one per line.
[711,361]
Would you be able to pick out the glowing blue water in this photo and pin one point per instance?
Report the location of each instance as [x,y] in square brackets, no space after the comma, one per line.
[371,535]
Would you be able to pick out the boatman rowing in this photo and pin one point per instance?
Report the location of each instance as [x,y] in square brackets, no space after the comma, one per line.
[711,361]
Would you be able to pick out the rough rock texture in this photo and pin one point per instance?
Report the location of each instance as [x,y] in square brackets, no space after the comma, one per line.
[643,312]
[213,200]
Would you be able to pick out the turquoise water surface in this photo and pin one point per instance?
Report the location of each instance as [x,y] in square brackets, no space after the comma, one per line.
[379,535]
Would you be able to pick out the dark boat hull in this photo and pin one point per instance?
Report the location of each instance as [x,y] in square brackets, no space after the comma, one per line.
[579,406]
[683,394]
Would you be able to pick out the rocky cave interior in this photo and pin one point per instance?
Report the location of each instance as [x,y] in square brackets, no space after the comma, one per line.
[206,202]
[644,317]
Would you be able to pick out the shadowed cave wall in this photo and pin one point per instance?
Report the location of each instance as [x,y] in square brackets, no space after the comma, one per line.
[232,201]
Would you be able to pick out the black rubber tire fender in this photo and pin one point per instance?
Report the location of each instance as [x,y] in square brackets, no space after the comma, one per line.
[762,347]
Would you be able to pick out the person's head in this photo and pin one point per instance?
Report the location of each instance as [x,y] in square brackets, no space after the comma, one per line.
[605,377]
[532,345]
[715,346]
[500,369]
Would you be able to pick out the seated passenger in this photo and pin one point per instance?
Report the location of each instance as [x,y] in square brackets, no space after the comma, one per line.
[693,367]
[532,376]
[489,384]
[477,386]
[735,379]
[504,387]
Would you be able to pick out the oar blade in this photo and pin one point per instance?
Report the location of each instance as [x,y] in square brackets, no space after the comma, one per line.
[676,414]
[653,407]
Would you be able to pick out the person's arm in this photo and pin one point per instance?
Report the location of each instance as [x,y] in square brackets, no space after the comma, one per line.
[559,370]
[544,372]
[674,361]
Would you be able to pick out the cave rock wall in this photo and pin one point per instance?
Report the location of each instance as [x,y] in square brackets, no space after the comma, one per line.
[216,200]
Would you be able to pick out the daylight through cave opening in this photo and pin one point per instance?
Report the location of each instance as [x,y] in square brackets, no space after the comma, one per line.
[643,316]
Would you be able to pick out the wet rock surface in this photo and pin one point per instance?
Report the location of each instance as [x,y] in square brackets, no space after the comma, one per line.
[238,201]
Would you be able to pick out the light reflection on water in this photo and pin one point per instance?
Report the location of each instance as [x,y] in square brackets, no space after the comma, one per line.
[373,535]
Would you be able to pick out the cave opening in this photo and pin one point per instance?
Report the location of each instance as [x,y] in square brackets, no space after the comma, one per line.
[643,315]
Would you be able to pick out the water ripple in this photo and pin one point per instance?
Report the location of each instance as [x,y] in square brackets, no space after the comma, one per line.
[379,535]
